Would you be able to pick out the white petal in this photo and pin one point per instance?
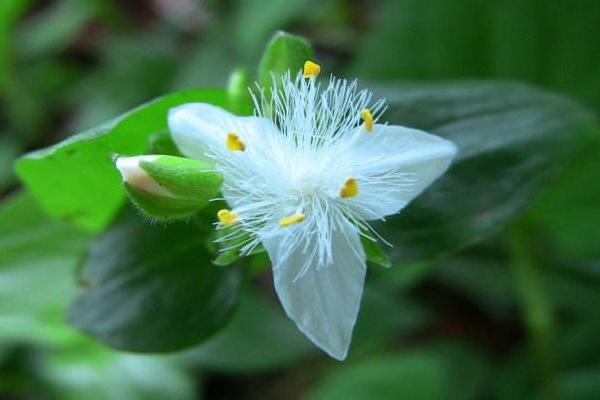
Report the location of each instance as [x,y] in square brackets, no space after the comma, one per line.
[199,127]
[393,165]
[134,175]
[324,302]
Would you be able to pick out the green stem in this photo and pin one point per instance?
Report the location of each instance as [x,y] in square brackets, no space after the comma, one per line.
[536,312]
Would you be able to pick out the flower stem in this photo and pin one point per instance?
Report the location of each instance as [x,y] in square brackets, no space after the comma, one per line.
[535,310]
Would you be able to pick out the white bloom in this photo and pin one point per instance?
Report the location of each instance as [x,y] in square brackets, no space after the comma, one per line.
[303,176]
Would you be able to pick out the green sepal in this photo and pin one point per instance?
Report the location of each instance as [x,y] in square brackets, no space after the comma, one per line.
[189,186]
[238,94]
[185,178]
[285,52]
[375,254]
[162,208]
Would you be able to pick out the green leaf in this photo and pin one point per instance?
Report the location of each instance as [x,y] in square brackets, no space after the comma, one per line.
[401,376]
[511,138]
[76,181]
[151,288]
[285,52]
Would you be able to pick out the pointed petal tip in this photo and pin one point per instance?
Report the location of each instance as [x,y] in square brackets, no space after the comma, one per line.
[337,354]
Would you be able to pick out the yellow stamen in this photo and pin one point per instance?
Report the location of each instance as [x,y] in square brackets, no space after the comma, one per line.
[234,143]
[311,69]
[350,188]
[367,117]
[227,217]
[292,219]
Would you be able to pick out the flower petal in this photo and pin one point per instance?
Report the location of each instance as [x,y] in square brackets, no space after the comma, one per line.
[392,166]
[325,299]
[198,128]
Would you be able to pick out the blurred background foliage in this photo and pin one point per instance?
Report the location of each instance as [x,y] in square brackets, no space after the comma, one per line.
[513,316]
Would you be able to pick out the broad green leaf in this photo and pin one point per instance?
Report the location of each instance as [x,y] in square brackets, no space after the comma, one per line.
[285,52]
[511,138]
[37,260]
[412,376]
[76,181]
[259,338]
[152,288]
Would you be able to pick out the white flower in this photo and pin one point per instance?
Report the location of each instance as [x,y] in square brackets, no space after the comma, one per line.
[303,177]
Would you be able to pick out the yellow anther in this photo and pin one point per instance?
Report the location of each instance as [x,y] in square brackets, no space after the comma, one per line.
[292,219]
[367,117]
[311,69]
[227,217]
[234,143]
[350,188]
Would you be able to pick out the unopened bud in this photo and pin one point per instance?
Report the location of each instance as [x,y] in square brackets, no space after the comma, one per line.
[168,187]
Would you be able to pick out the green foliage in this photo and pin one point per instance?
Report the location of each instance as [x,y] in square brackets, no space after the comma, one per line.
[89,372]
[540,42]
[149,288]
[76,181]
[32,248]
[511,139]
[66,65]
[570,215]
[258,338]
[403,376]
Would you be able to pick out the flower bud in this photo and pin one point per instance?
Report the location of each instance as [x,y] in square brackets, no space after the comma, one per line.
[168,187]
